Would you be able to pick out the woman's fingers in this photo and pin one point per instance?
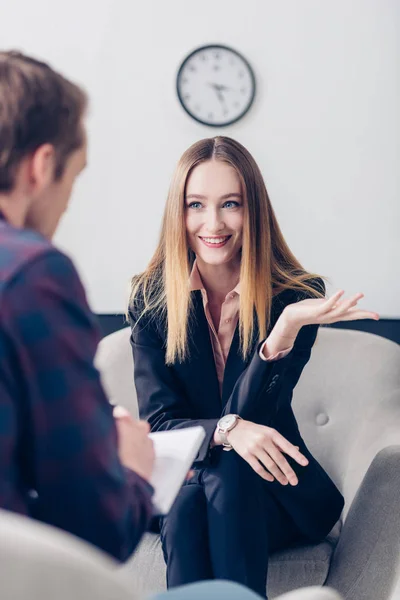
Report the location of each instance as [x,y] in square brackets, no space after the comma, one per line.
[258,468]
[283,465]
[289,449]
[343,307]
[347,310]
[353,315]
[332,301]
[271,466]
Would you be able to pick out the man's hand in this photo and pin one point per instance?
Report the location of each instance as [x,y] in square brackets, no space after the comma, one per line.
[135,448]
[264,448]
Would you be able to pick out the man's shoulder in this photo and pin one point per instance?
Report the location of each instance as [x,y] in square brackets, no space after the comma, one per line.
[24,252]
[18,249]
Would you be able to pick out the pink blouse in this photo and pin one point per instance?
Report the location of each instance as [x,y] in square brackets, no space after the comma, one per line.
[221,338]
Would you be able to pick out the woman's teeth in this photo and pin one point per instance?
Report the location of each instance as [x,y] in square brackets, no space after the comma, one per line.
[215,240]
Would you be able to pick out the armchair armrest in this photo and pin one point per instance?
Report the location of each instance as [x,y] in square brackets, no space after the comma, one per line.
[367,558]
[311,593]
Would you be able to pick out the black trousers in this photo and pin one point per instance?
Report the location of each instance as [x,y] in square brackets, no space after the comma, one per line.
[223,525]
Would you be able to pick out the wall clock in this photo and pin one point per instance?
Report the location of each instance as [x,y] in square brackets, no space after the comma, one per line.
[216,85]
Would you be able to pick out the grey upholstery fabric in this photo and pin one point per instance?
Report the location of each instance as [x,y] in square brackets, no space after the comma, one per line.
[38,562]
[348,407]
[311,593]
[367,557]
[288,570]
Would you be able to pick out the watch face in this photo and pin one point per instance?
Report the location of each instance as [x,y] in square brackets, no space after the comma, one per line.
[227,421]
[216,85]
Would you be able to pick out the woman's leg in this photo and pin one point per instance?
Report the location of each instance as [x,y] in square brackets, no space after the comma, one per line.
[184,537]
[245,522]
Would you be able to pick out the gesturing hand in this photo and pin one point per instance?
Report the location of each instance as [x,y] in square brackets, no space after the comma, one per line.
[264,448]
[323,311]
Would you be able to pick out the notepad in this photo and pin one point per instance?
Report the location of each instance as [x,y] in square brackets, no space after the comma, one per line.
[175,452]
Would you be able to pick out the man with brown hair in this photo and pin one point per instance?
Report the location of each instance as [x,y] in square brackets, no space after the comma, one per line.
[59,459]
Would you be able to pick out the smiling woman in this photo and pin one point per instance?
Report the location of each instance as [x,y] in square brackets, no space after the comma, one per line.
[223,322]
[214,217]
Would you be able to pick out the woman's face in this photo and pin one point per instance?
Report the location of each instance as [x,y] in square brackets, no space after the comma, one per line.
[214,213]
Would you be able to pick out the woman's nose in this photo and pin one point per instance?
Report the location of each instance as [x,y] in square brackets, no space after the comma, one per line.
[214,222]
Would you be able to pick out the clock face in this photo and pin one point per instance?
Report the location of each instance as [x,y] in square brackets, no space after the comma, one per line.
[215,85]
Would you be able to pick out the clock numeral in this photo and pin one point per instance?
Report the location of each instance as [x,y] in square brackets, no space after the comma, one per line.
[184,80]
[217,55]
[236,104]
[203,57]
[216,67]
[226,112]
[197,108]
[187,96]
[211,116]
[192,68]
[241,74]
[243,90]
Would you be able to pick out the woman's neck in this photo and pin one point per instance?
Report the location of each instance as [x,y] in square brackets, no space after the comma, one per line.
[219,280]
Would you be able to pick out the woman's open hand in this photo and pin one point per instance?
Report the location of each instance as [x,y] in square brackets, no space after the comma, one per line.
[321,311]
[264,449]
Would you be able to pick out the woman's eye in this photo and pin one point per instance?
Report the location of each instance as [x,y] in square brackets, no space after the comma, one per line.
[231,204]
[195,205]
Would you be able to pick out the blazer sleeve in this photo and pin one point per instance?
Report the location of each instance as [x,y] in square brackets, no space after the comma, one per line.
[263,387]
[67,436]
[162,401]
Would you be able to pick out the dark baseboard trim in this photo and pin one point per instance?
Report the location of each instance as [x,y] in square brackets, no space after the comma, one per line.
[387,328]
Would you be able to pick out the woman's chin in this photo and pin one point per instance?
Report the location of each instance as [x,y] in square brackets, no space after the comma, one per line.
[212,259]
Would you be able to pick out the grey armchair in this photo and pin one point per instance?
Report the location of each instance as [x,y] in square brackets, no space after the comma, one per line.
[38,562]
[348,407]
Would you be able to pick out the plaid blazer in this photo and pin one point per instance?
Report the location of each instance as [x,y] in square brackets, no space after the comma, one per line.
[58,441]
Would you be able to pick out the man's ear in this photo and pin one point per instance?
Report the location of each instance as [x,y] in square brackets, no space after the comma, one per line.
[41,168]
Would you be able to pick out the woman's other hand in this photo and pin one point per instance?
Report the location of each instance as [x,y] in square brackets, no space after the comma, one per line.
[323,311]
[264,449]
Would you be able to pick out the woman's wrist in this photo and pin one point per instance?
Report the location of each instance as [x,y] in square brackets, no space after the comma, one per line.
[283,335]
[216,440]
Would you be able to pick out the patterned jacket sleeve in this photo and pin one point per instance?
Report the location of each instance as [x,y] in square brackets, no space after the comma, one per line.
[69,439]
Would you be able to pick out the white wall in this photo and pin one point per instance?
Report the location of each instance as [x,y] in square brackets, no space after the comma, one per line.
[325,127]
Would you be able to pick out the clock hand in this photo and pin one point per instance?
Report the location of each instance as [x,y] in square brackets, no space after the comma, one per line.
[222,87]
[219,86]
[218,91]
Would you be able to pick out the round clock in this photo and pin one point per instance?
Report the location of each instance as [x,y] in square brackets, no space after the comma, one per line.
[216,85]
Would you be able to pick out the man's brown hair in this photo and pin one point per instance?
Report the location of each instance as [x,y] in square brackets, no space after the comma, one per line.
[37,106]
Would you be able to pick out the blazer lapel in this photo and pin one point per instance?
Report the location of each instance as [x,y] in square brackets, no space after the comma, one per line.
[201,359]
[235,365]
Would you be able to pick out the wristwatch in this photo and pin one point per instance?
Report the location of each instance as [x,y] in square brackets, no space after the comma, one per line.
[225,424]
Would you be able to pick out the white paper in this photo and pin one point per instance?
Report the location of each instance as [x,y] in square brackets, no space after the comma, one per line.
[175,452]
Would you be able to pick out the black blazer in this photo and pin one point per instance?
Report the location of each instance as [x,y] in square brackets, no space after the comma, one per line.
[188,394]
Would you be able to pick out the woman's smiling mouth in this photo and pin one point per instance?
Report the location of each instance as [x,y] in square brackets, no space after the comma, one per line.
[215,242]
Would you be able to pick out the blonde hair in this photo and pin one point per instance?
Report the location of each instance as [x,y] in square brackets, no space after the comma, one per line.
[267,264]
